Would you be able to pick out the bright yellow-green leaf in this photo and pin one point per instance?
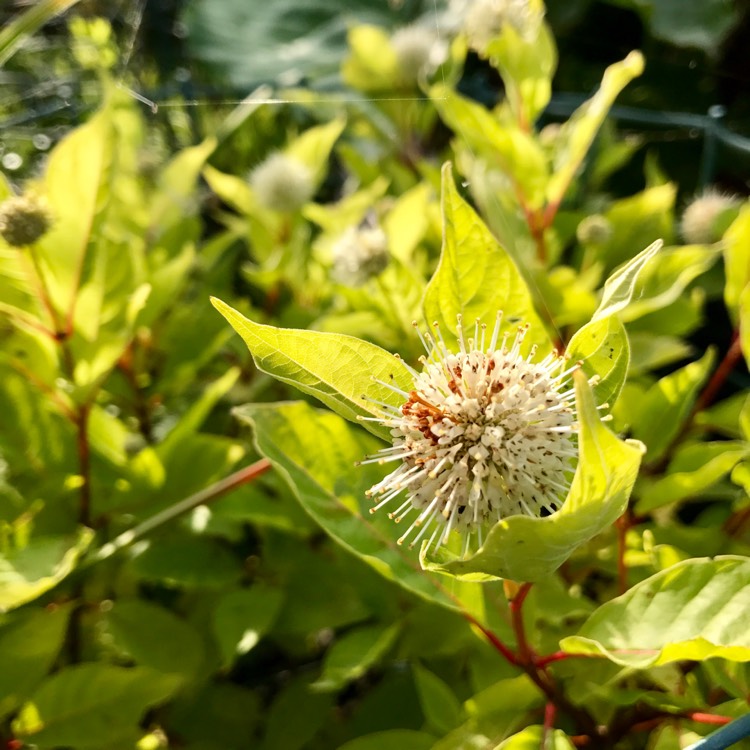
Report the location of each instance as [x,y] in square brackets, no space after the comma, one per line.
[313,147]
[618,288]
[667,404]
[523,548]
[602,345]
[476,277]
[694,469]
[372,64]
[737,258]
[697,609]
[339,370]
[502,145]
[531,739]
[578,132]
[667,276]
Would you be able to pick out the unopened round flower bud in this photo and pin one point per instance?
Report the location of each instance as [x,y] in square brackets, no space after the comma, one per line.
[359,254]
[282,183]
[414,47]
[706,219]
[594,230]
[23,220]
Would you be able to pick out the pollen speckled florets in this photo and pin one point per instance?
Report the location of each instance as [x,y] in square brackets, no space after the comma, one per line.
[485,433]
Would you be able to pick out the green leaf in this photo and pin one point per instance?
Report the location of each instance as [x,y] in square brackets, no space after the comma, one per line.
[526,61]
[637,221]
[737,259]
[577,134]
[693,24]
[194,562]
[694,469]
[476,277]
[694,610]
[76,184]
[531,739]
[372,64]
[26,24]
[313,147]
[668,276]
[29,644]
[403,739]
[440,706]
[155,637]
[602,345]
[618,288]
[242,617]
[501,144]
[308,709]
[668,403]
[354,653]
[523,548]
[315,451]
[338,370]
[28,573]
[91,705]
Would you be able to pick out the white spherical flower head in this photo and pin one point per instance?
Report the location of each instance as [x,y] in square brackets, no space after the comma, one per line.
[485,433]
[282,183]
[417,51]
[707,217]
[360,254]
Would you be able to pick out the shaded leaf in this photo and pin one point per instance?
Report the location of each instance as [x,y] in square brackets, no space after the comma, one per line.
[440,706]
[353,654]
[31,571]
[242,617]
[91,705]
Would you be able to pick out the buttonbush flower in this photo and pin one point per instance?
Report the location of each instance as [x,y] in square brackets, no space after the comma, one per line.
[418,51]
[707,217]
[360,253]
[282,183]
[485,433]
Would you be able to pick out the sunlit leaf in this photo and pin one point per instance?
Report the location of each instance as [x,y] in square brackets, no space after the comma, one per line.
[531,739]
[476,277]
[338,370]
[577,134]
[695,610]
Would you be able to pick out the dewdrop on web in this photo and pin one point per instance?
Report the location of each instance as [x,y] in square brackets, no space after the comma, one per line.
[485,433]
[282,183]
[24,219]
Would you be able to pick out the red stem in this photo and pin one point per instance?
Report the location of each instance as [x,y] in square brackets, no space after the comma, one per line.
[704,718]
[506,653]
[525,651]
[550,712]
